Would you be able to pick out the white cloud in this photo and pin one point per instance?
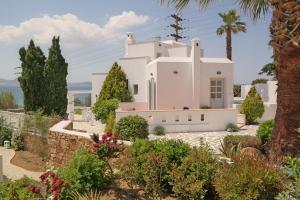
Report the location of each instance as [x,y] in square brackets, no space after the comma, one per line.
[71,29]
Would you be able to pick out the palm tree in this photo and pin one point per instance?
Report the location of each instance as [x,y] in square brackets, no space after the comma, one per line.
[232,24]
[285,40]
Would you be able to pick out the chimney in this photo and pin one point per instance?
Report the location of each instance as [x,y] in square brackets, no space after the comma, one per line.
[195,57]
[129,40]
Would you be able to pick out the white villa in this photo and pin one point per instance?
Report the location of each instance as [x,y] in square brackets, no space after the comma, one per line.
[174,85]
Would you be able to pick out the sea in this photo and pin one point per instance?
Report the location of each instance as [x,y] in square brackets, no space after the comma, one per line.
[18,93]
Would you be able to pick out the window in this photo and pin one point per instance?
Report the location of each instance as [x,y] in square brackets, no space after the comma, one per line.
[216,89]
[135,89]
[190,118]
[177,118]
[202,117]
[163,119]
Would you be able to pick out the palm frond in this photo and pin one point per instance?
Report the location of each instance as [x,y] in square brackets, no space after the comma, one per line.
[255,8]
[181,4]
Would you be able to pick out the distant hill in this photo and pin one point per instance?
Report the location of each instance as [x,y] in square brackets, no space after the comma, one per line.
[71,86]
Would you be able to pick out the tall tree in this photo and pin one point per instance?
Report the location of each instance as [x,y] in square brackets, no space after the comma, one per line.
[232,24]
[56,71]
[285,40]
[115,85]
[31,79]
[269,69]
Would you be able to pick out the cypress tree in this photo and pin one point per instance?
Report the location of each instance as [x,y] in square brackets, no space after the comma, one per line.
[31,79]
[56,71]
[115,85]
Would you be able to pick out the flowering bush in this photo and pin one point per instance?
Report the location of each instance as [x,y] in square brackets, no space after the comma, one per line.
[85,172]
[107,147]
[53,186]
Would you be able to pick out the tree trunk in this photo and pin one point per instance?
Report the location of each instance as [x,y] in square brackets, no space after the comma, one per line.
[285,140]
[228,44]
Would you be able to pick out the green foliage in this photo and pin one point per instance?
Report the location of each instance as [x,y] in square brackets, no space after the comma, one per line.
[131,127]
[253,106]
[77,102]
[14,190]
[292,167]
[232,128]
[248,179]
[85,172]
[7,101]
[159,130]
[56,71]
[193,178]
[242,141]
[102,109]
[110,124]
[269,69]
[259,80]
[6,131]
[265,130]
[237,90]
[17,140]
[115,85]
[149,164]
[32,80]
[78,111]
[292,192]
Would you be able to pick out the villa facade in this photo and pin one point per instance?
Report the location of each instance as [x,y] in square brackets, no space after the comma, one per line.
[174,85]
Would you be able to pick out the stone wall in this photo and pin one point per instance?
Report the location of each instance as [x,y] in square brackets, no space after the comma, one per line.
[63,142]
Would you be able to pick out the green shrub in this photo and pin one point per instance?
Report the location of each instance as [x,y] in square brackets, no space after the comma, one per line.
[78,111]
[7,101]
[149,164]
[12,190]
[248,179]
[242,141]
[265,130]
[85,172]
[292,192]
[17,140]
[253,106]
[232,128]
[110,124]
[159,130]
[193,178]
[102,109]
[5,131]
[292,167]
[131,127]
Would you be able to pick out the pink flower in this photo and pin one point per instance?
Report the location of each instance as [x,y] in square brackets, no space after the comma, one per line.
[37,190]
[109,134]
[53,187]
[96,145]
[57,193]
[60,182]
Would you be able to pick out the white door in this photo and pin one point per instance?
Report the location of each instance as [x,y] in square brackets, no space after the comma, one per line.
[217,93]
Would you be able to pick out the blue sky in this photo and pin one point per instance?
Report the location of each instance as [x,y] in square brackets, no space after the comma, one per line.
[92,33]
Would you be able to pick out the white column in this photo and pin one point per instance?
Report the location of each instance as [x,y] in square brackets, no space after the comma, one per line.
[70,108]
[195,56]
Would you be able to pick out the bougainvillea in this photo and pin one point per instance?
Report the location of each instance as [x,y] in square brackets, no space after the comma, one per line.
[52,186]
[107,147]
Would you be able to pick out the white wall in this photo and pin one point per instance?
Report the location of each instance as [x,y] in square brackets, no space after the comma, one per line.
[244,90]
[270,112]
[174,90]
[214,119]
[272,91]
[97,82]
[135,69]
[209,71]
[262,89]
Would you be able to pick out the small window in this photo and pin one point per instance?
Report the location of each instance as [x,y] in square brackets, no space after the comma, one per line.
[197,44]
[202,117]
[163,119]
[135,89]
[190,118]
[175,72]
[177,118]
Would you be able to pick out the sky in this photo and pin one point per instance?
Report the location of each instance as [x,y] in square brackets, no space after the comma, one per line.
[92,33]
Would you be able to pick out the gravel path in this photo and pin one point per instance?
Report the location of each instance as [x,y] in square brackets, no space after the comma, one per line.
[211,138]
[12,171]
